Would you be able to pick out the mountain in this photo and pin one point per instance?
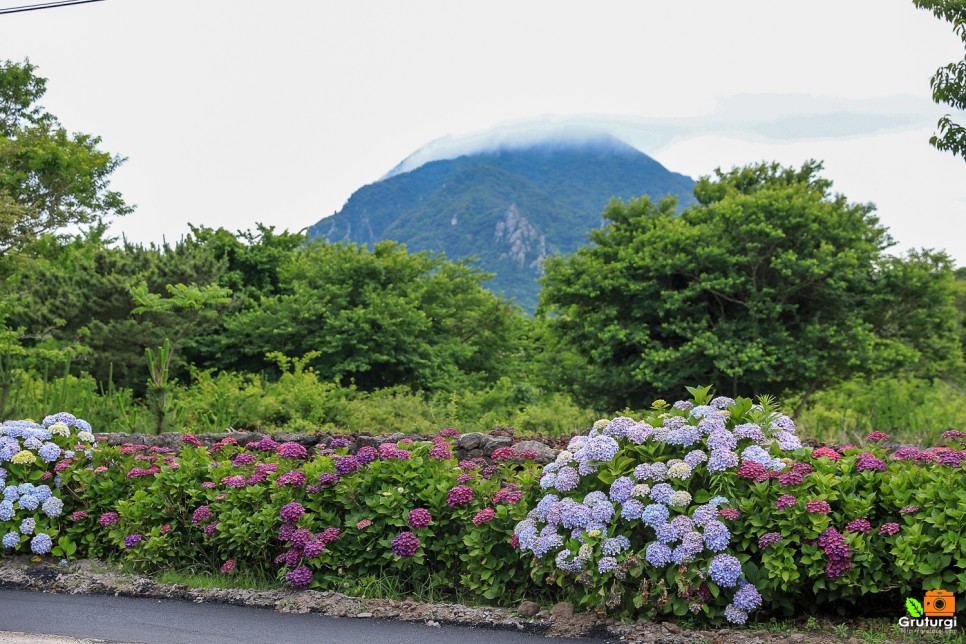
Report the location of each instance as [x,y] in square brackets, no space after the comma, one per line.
[508,207]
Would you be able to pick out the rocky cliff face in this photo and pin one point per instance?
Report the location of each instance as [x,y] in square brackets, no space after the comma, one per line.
[524,244]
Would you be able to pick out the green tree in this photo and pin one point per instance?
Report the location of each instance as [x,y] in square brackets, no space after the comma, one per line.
[48,178]
[770,284]
[949,81]
[381,318]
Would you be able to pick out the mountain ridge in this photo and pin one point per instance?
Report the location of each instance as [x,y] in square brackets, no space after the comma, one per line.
[508,207]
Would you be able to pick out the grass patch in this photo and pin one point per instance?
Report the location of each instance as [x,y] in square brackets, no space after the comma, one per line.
[210,580]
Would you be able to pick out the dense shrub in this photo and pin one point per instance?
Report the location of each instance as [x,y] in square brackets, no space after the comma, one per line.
[34,456]
[718,509]
[709,507]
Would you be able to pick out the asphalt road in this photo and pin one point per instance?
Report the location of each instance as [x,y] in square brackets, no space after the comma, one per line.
[126,619]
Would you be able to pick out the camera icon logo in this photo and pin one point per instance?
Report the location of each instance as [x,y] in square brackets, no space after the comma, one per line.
[939,603]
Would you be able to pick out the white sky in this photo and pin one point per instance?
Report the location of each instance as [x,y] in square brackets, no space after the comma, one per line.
[237,112]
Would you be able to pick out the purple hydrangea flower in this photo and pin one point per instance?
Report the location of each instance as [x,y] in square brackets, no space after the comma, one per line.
[567,479]
[419,518]
[721,460]
[606,564]
[405,544]
[132,540]
[291,512]
[735,615]
[695,457]
[769,538]
[299,577]
[621,489]
[662,493]
[632,509]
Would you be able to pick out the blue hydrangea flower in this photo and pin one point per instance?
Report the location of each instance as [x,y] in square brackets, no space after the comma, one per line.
[721,439]
[621,489]
[547,481]
[787,441]
[545,504]
[601,448]
[716,535]
[662,493]
[41,544]
[543,545]
[655,514]
[747,598]
[702,410]
[712,423]
[632,509]
[658,554]
[62,417]
[642,472]
[595,497]
[674,422]
[29,502]
[618,427]
[42,492]
[735,615]
[616,545]
[606,564]
[567,479]
[6,510]
[721,460]
[749,431]
[11,493]
[683,436]
[666,533]
[49,452]
[638,434]
[683,405]
[575,515]
[722,402]
[704,513]
[756,454]
[27,526]
[585,469]
[717,501]
[32,443]
[682,524]
[53,506]
[725,570]
[602,512]
[658,472]
[11,540]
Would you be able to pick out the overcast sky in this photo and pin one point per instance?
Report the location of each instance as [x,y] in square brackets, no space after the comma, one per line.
[237,112]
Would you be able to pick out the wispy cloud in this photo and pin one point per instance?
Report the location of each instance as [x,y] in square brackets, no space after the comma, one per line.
[761,117]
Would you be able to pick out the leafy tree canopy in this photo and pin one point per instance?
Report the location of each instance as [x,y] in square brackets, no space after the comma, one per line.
[381,318]
[949,81]
[48,177]
[771,284]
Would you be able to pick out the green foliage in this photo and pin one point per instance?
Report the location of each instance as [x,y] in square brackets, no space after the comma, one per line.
[383,318]
[949,81]
[913,410]
[771,284]
[48,178]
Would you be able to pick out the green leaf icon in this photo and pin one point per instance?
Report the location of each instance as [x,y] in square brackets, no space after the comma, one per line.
[914,607]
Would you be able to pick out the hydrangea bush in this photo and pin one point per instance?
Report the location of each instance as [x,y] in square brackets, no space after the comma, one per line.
[636,515]
[33,460]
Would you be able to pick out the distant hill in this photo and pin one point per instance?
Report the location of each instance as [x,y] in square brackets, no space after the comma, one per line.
[508,208]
